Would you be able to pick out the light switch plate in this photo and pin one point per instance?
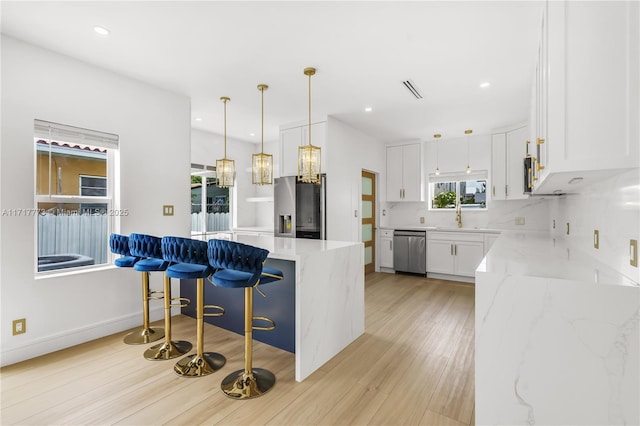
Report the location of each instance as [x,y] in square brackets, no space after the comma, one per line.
[167,210]
[519,220]
[421,219]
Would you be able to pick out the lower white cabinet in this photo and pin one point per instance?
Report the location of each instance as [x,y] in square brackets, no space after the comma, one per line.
[454,253]
[386,248]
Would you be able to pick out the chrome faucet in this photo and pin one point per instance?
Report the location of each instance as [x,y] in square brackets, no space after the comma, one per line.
[459,215]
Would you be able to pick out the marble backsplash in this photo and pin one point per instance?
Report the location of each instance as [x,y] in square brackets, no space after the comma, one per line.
[611,206]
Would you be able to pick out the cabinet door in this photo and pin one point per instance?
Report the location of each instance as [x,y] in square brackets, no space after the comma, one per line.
[498,166]
[386,252]
[412,173]
[440,257]
[516,151]
[290,139]
[468,255]
[394,173]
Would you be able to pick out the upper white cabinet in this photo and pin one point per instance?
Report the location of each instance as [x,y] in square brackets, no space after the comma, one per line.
[508,150]
[585,119]
[293,137]
[404,173]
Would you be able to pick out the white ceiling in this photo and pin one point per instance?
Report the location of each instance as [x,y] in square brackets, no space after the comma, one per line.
[362,51]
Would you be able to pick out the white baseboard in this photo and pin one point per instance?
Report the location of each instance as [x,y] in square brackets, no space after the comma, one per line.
[458,278]
[65,339]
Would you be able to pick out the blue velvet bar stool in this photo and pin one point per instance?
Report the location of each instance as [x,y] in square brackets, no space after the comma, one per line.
[242,266]
[149,248]
[191,262]
[120,244]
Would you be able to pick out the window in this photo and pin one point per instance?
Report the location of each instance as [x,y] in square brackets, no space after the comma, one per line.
[470,191]
[73,195]
[209,203]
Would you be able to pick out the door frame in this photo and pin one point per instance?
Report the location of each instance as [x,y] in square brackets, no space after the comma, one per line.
[371,267]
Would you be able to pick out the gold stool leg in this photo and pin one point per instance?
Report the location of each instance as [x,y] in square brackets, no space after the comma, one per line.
[201,363]
[250,382]
[169,349]
[146,334]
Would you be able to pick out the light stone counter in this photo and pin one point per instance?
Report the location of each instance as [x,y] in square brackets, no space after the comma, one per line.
[557,336]
[440,228]
[329,294]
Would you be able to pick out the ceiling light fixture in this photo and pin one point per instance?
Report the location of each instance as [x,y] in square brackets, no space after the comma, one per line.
[225,168]
[368,109]
[437,137]
[485,85]
[102,31]
[309,156]
[198,119]
[468,132]
[262,164]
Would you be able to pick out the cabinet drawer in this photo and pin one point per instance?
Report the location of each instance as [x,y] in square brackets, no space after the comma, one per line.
[386,233]
[456,236]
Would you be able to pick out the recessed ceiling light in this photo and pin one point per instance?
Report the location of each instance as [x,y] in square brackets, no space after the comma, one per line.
[101,30]
[252,134]
[368,109]
[198,119]
[485,84]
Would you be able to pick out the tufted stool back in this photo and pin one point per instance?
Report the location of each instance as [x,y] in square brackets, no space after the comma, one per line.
[143,245]
[225,254]
[184,250]
[119,244]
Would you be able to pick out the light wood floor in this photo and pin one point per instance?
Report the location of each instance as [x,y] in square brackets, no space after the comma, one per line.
[414,365]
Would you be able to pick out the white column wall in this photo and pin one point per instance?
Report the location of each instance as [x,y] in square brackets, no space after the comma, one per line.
[154,130]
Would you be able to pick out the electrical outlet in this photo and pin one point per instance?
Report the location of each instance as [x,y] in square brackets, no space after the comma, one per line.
[19,326]
[421,219]
[519,220]
[167,210]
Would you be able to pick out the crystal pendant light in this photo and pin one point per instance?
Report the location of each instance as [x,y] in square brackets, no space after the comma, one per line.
[468,132]
[225,168]
[437,137]
[309,155]
[262,164]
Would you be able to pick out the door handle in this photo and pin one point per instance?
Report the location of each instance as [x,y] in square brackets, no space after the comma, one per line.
[493,190]
[455,250]
[391,245]
[451,249]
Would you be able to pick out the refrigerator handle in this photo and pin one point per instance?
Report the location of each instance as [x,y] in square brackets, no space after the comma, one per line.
[323,207]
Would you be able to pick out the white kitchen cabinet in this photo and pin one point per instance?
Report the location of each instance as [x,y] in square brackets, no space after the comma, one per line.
[508,150]
[404,173]
[587,118]
[386,248]
[454,253]
[293,137]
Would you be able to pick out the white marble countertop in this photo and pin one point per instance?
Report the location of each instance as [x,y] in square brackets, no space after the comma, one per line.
[439,228]
[261,229]
[285,248]
[541,254]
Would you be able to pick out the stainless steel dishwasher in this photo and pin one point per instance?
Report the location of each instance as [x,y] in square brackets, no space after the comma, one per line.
[410,251]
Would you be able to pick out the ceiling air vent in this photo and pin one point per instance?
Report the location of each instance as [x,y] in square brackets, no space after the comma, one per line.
[412,88]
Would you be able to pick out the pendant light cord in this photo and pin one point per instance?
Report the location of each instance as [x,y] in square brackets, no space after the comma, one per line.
[225,128]
[310,108]
[262,118]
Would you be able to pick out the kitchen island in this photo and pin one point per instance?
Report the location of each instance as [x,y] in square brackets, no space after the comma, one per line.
[557,336]
[318,308]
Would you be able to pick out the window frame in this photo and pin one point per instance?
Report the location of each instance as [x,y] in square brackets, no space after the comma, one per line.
[111,199]
[458,179]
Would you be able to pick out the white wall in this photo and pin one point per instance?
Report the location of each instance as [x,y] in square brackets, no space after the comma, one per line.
[154,130]
[350,151]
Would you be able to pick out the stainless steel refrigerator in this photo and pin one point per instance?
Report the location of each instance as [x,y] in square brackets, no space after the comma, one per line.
[299,208]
